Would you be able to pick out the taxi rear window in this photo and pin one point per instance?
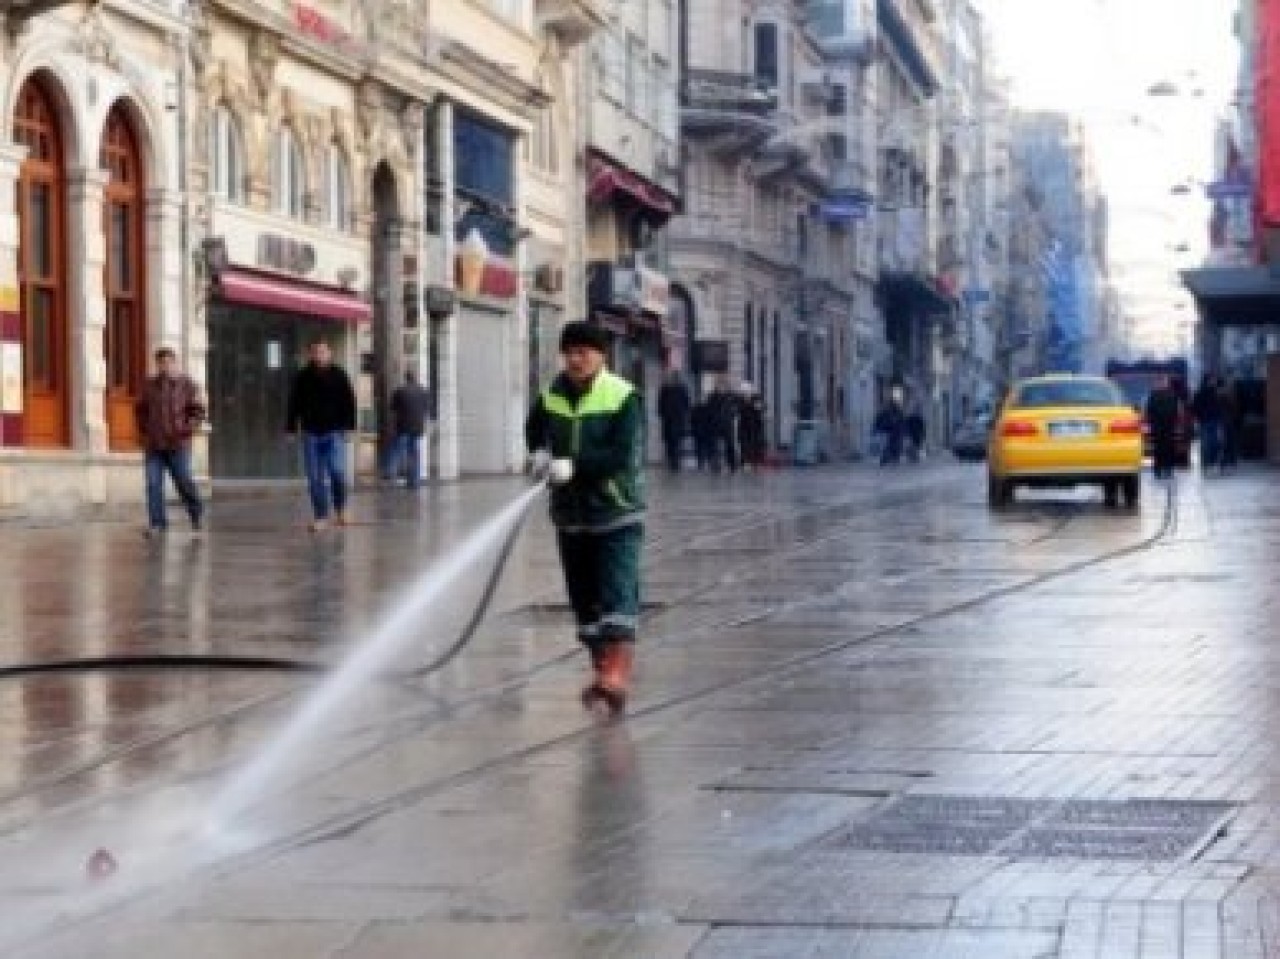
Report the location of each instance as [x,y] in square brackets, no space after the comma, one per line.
[1068,393]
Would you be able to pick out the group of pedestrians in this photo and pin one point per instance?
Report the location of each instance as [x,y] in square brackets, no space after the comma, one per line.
[727,426]
[898,434]
[1217,412]
[321,414]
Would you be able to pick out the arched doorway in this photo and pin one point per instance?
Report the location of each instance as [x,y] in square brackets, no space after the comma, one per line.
[42,268]
[124,281]
[388,285]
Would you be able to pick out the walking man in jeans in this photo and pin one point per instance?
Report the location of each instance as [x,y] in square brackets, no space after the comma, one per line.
[410,407]
[322,408]
[168,412]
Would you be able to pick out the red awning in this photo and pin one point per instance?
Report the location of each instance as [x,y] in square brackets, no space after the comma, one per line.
[604,179]
[253,288]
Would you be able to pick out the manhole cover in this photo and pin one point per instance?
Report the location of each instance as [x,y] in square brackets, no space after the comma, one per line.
[950,840]
[1147,846]
[1145,830]
[1143,814]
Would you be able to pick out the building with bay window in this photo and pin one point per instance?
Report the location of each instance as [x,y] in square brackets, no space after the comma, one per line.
[304,177]
[90,222]
[628,99]
[774,259]
[502,224]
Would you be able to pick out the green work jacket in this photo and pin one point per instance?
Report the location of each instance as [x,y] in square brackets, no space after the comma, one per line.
[602,430]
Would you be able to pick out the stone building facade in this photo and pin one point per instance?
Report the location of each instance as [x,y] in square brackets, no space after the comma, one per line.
[91,274]
[774,256]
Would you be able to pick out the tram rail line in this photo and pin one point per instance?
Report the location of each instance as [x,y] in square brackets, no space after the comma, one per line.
[351,821]
[1065,515]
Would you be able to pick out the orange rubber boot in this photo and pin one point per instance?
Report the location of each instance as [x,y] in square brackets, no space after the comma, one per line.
[615,674]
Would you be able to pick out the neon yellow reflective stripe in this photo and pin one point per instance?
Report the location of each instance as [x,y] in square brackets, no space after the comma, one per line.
[607,395]
[557,404]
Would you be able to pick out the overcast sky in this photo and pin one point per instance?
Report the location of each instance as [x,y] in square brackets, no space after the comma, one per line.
[1097,59]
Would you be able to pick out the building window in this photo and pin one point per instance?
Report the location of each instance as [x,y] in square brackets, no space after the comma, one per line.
[227,160]
[42,278]
[338,188]
[484,173]
[508,9]
[767,68]
[637,80]
[124,222]
[542,148]
[611,64]
[288,175]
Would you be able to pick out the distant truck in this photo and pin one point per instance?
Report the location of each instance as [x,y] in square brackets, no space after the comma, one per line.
[1136,380]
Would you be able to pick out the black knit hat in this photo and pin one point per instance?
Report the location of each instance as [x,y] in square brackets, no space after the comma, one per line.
[580,333]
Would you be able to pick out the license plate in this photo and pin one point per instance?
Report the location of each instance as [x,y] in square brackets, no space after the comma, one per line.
[1073,428]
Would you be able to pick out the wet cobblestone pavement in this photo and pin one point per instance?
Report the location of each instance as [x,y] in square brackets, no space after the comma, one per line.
[872,721]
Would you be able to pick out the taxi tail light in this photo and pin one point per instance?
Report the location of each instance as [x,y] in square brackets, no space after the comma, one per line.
[1019,428]
[1132,426]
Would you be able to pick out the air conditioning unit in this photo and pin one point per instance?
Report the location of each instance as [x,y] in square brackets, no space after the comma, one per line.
[817,82]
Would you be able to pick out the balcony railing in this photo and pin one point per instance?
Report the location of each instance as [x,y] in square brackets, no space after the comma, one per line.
[737,109]
[734,92]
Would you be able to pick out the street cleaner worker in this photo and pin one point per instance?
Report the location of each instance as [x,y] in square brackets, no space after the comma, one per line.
[586,434]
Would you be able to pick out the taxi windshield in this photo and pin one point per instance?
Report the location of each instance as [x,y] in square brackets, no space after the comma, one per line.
[1067,393]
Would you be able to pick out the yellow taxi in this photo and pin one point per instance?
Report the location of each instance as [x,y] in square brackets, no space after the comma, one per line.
[1061,431]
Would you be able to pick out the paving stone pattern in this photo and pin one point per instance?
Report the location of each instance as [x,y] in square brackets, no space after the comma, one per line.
[872,721]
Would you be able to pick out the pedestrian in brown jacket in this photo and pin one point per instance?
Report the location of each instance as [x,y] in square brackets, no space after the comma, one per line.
[169,411]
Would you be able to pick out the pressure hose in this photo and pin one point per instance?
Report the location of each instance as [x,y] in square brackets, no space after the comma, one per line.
[248,663]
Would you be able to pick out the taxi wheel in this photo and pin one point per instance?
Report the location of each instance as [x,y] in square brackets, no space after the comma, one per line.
[999,493]
[1111,494]
[1132,489]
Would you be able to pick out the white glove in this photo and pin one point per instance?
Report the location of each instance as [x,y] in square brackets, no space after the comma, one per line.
[539,463]
[561,472]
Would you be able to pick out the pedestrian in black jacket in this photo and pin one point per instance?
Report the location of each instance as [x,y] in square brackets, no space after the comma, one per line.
[704,439]
[725,407]
[674,407]
[322,409]
[410,409]
[1164,411]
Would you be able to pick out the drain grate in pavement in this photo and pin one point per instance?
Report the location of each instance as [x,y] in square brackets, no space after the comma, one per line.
[1147,830]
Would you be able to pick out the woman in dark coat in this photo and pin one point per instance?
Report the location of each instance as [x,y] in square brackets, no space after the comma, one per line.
[751,431]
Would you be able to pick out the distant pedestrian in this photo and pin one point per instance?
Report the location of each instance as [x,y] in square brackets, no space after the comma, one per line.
[168,413]
[322,409]
[725,409]
[1164,413]
[674,407]
[915,429]
[410,410]
[751,429]
[1206,405]
[704,436]
[889,426]
[1229,401]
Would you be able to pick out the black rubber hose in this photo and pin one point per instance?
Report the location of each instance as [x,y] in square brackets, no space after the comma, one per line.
[244,663]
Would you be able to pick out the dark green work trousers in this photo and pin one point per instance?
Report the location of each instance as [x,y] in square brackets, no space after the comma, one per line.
[602,573]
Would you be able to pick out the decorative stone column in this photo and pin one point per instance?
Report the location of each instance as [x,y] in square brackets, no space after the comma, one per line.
[87,310]
[11,390]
